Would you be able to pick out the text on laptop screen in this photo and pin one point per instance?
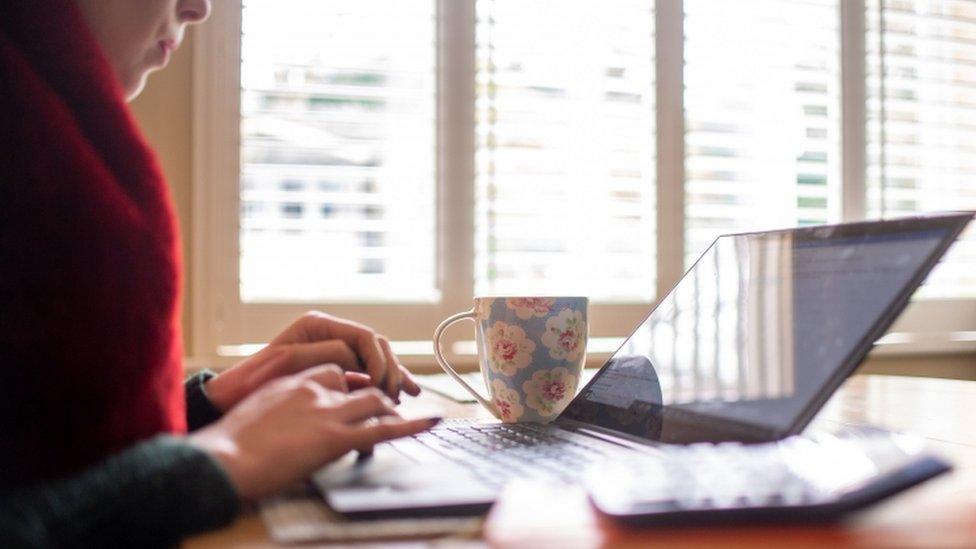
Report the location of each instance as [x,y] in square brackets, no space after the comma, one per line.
[752,332]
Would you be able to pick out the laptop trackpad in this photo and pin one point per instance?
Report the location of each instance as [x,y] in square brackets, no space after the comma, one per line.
[389,483]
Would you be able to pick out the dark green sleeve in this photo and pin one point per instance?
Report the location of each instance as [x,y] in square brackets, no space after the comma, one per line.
[200,411]
[153,494]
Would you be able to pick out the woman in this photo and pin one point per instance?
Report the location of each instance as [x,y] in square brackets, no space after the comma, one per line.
[94,415]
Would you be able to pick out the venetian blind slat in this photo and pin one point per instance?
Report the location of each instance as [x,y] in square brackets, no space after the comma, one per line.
[337,151]
[565,161]
[921,62]
[762,116]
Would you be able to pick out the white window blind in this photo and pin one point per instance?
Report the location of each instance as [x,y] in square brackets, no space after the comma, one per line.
[337,150]
[762,116]
[564,193]
[921,63]
[374,134]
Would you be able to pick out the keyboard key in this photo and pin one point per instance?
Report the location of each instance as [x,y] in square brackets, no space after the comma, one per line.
[499,452]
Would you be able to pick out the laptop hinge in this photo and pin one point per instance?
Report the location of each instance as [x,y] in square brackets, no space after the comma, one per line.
[620,439]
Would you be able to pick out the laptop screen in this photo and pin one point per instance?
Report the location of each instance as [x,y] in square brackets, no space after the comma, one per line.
[762,329]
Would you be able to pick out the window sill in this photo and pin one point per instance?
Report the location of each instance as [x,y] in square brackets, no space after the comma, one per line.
[418,355]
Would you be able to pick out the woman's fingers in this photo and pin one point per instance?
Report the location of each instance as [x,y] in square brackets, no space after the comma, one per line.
[301,356]
[329,376]
[371,433]
[392,369]
[311,326]
[275,436]
[364,350]
[367,346]
[376,364]
[357,380]
[317,326]
[363,405]
[409,384]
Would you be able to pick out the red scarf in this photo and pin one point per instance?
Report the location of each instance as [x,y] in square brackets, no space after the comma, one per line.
[90,350]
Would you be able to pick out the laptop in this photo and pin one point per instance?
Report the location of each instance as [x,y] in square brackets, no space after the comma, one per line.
[742,352]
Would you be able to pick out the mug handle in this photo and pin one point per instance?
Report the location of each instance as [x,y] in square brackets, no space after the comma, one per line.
[442,362]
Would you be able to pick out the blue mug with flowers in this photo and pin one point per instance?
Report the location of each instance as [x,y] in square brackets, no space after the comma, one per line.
[531,351]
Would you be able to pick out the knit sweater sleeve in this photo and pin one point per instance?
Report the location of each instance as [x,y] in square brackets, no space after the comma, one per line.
[200,410]
[152,494]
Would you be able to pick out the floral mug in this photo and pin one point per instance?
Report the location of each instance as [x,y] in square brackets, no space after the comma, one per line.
[531,351]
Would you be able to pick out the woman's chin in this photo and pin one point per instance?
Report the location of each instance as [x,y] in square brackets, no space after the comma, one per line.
[134,87]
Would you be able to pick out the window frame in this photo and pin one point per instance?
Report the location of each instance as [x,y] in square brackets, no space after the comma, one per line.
[219,318]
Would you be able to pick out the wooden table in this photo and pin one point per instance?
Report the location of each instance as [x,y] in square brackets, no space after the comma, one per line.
[940,513]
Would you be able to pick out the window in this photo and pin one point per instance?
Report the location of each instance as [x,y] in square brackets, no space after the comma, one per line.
[762,136]
[922,121]
[352,108]
[395,158]
[564,186]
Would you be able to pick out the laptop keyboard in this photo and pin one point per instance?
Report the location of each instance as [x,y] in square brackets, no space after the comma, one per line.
[700,475]
[799,471]
[496,453]
[821,473]
[697,476]
[706,476]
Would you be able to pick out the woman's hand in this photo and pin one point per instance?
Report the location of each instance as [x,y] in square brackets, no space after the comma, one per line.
[295,425]
[314,339]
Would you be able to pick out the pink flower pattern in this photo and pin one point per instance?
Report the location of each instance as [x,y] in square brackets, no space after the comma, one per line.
[527,307]
[508,348]
[508,405]
[565,335]
[549,391]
